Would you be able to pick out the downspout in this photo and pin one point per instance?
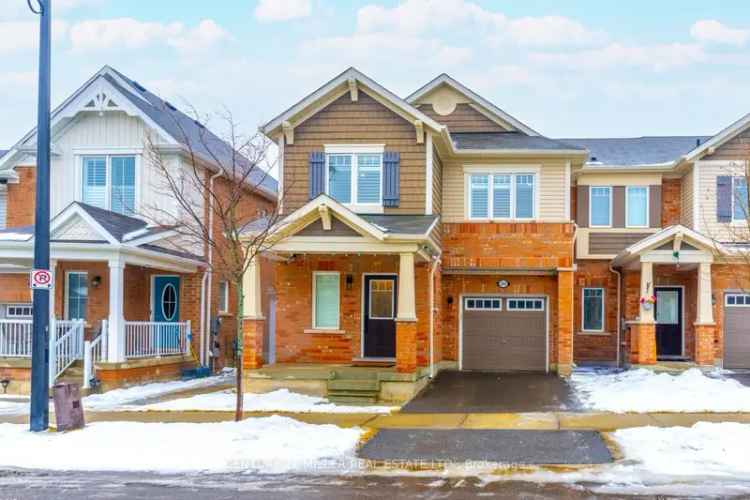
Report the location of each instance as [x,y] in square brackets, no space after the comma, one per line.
[619,286]
[433,267]
[204,280]
[207,339]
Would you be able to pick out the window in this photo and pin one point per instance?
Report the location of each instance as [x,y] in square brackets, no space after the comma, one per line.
[3,207]
[502,196]
[738,300]
[593,309]
[525,305]
[600,206]
[637,206]
[326,300]
[739,199]
[355,178]
[223,296]
[381,299]
[77,290]
[109,183]
[19,310]
[483,304]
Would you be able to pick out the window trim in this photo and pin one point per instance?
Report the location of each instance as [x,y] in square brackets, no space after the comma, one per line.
[491,172]
[68,274]
[734,199]
[490,298]
[583,310]
[223,296]
[82,154]
[538,304]
[28,305]
[648,206]
[315,274]
[354,150]
[734,294]
[591,205]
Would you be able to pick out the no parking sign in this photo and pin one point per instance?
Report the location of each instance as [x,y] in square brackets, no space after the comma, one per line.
[41,279]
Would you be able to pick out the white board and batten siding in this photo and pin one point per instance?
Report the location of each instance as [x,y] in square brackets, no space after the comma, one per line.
[3,207]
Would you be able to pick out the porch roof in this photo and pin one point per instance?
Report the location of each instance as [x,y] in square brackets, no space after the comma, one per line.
[681,237]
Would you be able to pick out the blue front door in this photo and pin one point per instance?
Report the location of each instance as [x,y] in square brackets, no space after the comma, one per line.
[166,302]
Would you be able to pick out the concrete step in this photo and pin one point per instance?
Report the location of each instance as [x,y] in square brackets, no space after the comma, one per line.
[353,385]
[353,399]
[355,374]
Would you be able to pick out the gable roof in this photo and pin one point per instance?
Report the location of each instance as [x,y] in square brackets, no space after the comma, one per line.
[340,82]
[637,151]
[666,235]
[723,136]
[445,79]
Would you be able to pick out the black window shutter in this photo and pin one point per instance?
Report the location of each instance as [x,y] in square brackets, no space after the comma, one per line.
[724,198]
[317,164]
[391,176]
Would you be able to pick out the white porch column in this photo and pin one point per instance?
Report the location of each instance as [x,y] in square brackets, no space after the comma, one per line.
[52,290]
[116,327]
[253,292]
[647,290]
[407,310]
[705,310]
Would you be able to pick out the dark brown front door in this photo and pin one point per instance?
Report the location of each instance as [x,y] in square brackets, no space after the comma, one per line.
[668,314]
[380,316]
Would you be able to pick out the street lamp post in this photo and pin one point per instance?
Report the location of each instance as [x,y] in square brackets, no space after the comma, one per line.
[40,351]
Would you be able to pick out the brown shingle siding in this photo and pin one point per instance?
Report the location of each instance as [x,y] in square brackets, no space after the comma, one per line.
[463,119]
[737,148]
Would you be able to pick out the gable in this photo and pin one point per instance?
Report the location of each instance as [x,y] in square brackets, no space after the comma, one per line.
[463,118]
[338,228]
[76,229]
[736,148]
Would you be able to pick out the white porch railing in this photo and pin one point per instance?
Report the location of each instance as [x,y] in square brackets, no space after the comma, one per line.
[93,352]
[65,346]
[15,338]
[148,339]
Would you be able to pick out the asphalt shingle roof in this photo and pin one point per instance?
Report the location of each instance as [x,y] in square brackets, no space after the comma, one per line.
[401,224]
[638,150]
[116,224]
[507,140]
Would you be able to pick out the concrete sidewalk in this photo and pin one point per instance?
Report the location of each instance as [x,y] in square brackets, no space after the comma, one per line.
[595,421]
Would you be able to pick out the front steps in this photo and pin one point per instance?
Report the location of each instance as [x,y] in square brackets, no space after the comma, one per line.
[353,387]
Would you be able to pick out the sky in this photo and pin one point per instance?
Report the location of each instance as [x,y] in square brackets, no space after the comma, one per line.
[566,68]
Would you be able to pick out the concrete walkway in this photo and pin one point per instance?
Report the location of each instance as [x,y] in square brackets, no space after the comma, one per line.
[596,421]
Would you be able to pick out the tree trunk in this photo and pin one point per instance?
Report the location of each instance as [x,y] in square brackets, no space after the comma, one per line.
[240,349]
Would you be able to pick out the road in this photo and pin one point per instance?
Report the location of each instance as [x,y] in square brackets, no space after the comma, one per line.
[42,485]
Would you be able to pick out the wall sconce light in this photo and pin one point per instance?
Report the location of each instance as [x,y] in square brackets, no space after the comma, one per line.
[349,281]
[96,281]
[713,299]
[450,300]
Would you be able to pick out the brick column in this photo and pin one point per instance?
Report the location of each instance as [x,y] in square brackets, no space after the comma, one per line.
[643,343]
[252,337]
[704,344]
[564,322]
[406,346]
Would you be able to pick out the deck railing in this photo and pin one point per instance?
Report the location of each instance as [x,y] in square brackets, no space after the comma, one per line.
[15,338]
[149,339]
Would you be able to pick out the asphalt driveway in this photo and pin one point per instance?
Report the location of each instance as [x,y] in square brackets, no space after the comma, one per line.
[480,392]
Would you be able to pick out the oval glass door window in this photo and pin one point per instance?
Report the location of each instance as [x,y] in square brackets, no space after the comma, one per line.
[169,302]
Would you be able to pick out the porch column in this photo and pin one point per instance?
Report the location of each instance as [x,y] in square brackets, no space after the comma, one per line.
[53,290]
[116,323]
[253,322]
[406,316]
[564,322]
[704,320]
[643,331]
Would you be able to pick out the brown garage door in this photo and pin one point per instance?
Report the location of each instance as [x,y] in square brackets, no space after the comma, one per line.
[737,330]
[504,334]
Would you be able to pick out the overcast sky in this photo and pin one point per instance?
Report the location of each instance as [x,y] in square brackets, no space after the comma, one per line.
[568,69]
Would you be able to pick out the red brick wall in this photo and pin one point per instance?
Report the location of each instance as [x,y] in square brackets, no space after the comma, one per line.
[508,245]
[21,198]
[97,307]
[726,278]
[671,190]
[14,288]
[595,346]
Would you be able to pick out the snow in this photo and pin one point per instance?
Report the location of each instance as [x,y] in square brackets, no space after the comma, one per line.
[643,390]
[13,407]
[272,445]
[279,400]
[15,236]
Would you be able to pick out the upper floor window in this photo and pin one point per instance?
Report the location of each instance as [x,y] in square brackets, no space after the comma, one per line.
[355,178]
[637,206]
[108,182]
[600,206]
[739,199]
[502,196]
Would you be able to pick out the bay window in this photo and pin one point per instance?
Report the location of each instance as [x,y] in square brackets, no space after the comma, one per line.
[600,206]
[355,178]
[501,196]
[326,300]
[637,206]
[109,182]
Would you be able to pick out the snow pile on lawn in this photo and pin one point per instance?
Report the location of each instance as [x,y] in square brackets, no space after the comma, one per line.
[270,445]
[13,407]
[116,398]
[279,400]
[642,391]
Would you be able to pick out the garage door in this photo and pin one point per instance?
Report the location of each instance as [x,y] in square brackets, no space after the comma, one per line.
[504,334]
[737,330]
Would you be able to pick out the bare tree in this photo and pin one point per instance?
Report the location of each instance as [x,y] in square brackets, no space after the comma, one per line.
[212,207]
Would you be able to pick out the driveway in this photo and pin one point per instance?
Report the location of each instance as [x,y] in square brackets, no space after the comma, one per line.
[479,392]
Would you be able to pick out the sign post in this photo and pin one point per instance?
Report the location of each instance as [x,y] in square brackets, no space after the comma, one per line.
[39,420]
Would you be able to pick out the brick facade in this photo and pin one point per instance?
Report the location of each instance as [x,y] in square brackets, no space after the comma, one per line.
[671,201]
[595,346]
[22,198]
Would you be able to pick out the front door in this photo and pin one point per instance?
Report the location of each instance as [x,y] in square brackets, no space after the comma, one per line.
[380,316]
[668,314]
[166,309]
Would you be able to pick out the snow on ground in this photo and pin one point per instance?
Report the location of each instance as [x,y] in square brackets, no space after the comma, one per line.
[271,445]
[278,400]
[642,391]
[13,407]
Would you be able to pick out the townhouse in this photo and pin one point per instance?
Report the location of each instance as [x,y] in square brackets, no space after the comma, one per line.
[135,297]
[438,231]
